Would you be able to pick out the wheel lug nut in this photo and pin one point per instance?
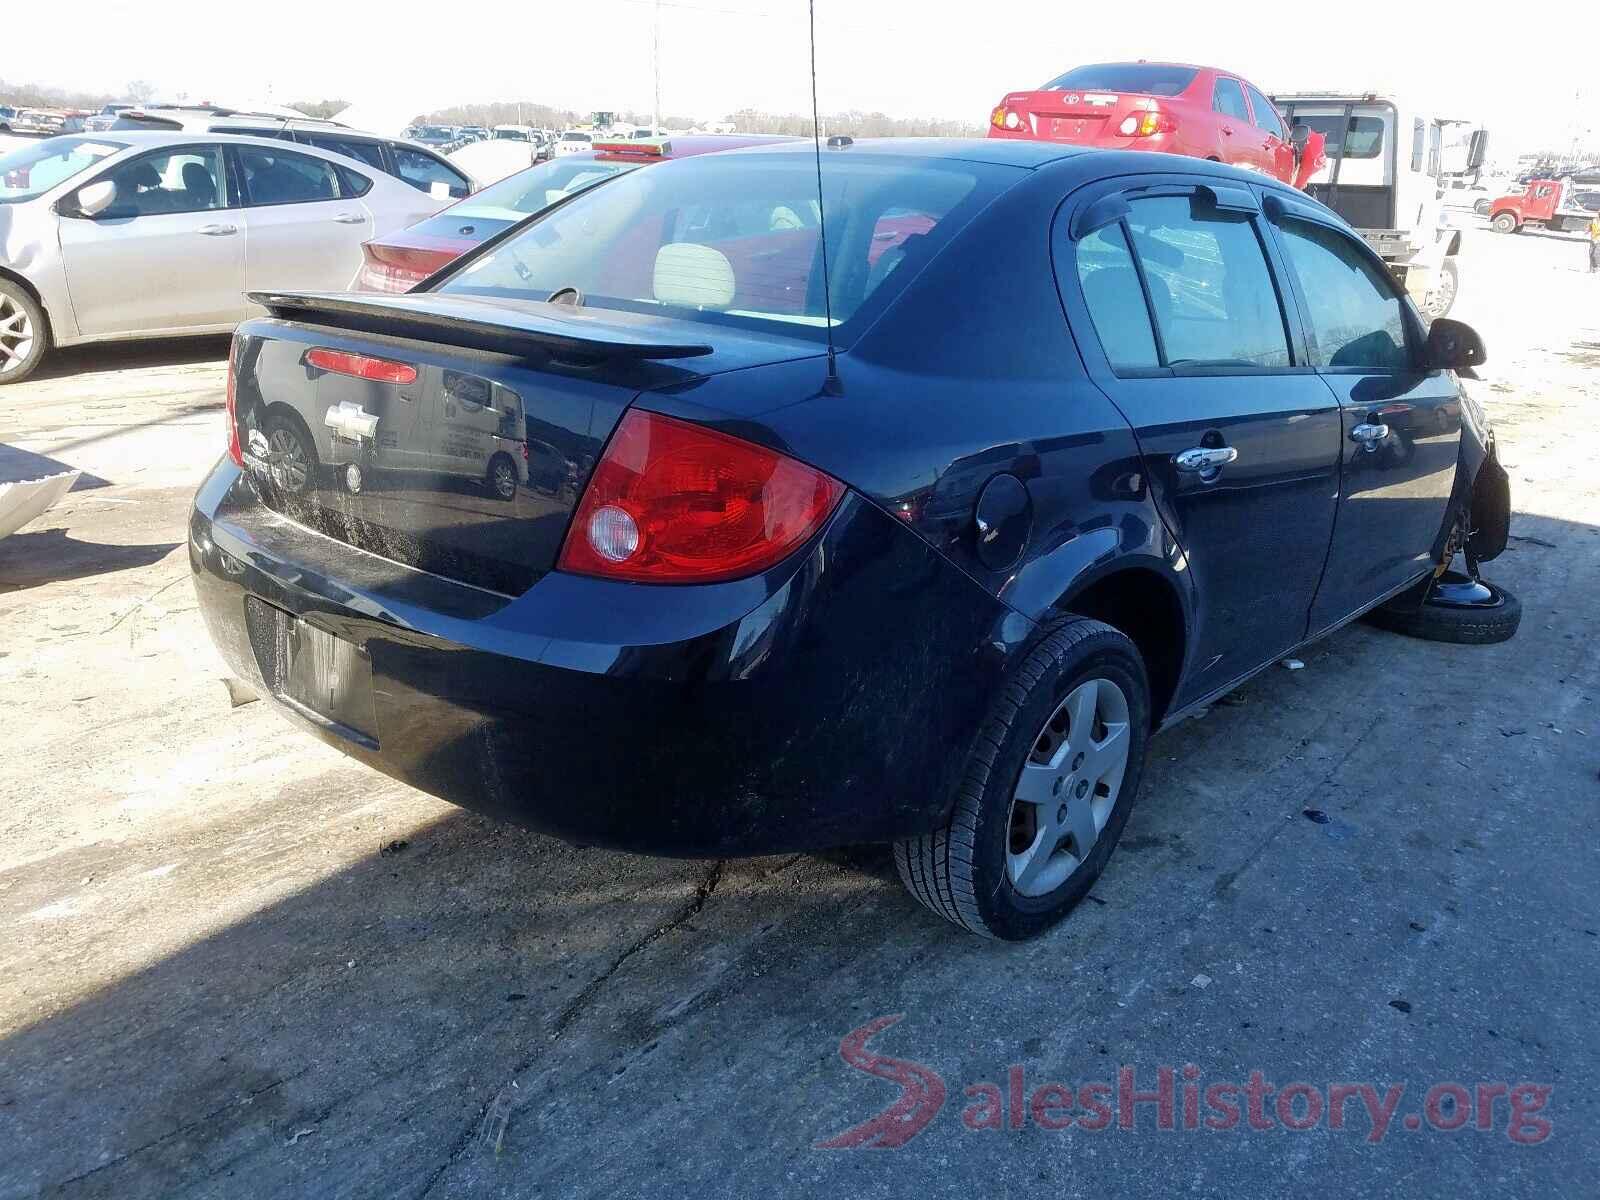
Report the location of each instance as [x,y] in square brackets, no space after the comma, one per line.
[1077,760]
[1059,784]
[1061,815]
[1083,788]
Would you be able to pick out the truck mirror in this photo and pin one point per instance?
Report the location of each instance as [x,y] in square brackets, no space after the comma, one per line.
[1477,149]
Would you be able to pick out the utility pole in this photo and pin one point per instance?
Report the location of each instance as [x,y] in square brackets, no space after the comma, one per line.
[655,57]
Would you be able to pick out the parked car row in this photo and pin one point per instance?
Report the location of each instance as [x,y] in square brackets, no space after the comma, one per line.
[138,233]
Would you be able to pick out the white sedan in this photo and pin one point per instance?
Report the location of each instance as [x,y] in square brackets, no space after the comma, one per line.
[134,234]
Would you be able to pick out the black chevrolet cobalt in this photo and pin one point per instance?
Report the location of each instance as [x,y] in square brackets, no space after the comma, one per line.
[740,506]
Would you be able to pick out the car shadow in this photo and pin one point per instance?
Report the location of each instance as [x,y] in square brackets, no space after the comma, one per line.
[122,356]
[30,559]
[304,1031]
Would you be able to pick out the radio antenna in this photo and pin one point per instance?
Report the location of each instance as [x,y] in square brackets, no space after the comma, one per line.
[832,381]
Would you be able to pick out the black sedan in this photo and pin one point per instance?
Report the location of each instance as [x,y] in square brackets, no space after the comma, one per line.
[718,511]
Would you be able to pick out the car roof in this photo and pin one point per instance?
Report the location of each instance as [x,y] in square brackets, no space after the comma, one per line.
[147,138]
[1005,152]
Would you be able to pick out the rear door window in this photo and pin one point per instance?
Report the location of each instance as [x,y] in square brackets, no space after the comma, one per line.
[1214,299]
[370,153]
[1116,301]
[1355,317]
[1228,99]
[429,174]
[274,176]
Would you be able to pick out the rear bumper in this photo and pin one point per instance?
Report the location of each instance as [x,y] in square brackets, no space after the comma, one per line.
[831,701]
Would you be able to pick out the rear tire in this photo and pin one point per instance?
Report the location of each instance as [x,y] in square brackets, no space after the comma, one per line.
[502,477]
[293,461]
[24,333]
[1468,625]
[1504,223]
[1007,867]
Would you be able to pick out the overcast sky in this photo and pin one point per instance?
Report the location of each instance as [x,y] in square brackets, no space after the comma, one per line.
[904,57]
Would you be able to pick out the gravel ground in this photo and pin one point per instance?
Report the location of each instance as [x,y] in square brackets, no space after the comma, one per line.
[236,964]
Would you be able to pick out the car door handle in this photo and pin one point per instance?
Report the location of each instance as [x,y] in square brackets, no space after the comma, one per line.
[349,218]
[1369,434]
[1205,461]
[218,230]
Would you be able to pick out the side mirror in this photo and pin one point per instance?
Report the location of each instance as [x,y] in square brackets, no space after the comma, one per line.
[1299,135]
[1477,149]
[90,200]
[1454,346]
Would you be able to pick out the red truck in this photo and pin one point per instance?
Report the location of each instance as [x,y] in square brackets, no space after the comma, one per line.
[1545,204]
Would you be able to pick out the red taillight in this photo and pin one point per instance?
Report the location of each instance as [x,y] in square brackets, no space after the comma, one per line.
[1147,123]
[1008,119]
[672,502]
[235,451]
[362,366]
[647,149]
[391,268]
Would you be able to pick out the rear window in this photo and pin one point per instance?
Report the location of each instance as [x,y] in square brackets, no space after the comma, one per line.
[516,196]
[1150,79]
[576,137]
[733,239]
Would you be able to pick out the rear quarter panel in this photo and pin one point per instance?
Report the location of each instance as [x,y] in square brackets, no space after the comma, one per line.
[971,374]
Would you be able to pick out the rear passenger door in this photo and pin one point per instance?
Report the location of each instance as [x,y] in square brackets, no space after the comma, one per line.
[1169,291]
[1402,423]
[1240,142]
[305,223]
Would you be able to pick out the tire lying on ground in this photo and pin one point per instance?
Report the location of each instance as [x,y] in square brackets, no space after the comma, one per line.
[1474,624]
[1052,776]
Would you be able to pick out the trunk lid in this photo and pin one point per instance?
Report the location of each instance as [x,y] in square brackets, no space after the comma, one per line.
[1075,116]
[465,447]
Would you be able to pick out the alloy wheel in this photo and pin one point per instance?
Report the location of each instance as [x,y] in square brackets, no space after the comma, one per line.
[289,467]
[505,479]
[16,335]
[1068,786]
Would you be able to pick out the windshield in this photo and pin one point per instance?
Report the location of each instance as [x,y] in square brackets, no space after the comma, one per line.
[1149,79]
[576,137]
[515,196]
[432,131]
[512,135]
[732,239]
[36,168]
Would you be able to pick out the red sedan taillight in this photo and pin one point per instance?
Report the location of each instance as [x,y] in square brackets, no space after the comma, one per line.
[1147,124]
[672,502]
[235,451]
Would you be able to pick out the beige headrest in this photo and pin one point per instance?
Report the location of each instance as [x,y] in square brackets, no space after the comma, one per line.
[692,274]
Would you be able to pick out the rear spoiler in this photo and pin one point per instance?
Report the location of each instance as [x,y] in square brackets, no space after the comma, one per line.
[515,327]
